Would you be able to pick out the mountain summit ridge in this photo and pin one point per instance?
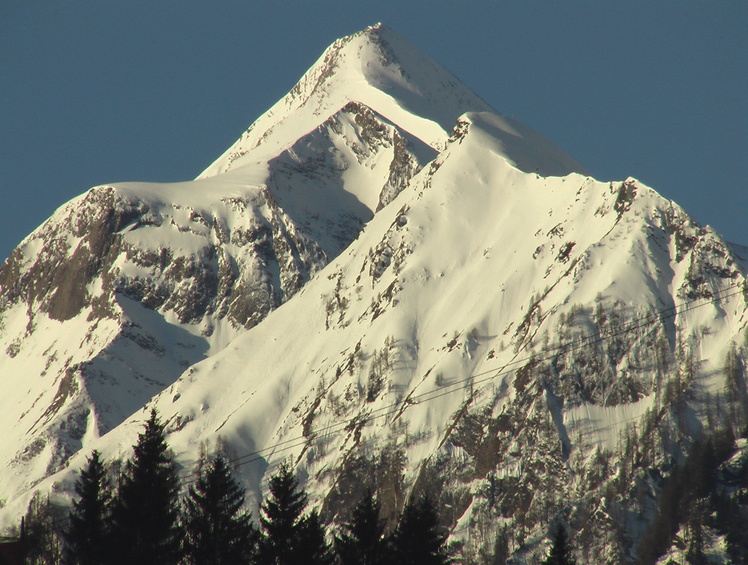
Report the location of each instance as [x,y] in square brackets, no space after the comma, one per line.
[134,278]
[389,300]
[381,70]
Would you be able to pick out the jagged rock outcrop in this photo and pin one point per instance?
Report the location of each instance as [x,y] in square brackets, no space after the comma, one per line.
[106,303]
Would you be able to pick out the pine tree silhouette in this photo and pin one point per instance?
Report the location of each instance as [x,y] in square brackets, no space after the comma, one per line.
[418,539]
[312,545]
[281,520]
[362,541]
[145,515]
[560,553]
[87,538]
[43,541]
[501,548]
[218,531]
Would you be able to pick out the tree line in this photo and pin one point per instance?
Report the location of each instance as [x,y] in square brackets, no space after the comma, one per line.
[145,519]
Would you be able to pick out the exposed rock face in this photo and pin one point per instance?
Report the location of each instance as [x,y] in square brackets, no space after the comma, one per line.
[576,407]
[134,315]
[92,243]
[148,279]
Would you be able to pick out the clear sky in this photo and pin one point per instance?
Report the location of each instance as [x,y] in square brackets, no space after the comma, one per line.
[103,91]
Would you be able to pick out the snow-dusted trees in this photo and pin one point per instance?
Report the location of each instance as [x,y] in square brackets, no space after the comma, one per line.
[218,530]
[684,495]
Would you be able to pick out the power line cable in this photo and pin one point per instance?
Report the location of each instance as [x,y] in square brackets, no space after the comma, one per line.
[483,377]
[635,324]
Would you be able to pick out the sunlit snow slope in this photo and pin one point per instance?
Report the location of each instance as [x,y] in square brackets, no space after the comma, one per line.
[389,284]
[124,287]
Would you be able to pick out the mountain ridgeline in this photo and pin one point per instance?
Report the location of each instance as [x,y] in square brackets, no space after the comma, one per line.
[388,286]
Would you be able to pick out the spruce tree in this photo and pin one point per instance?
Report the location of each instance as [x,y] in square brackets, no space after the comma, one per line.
[145,514]
[695,554]
[218,530]
[87,537]
[312,547]
[362,541]
[560,553]
[281,520]
[418,539]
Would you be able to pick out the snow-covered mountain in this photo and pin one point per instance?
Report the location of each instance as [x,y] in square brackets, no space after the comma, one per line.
[392,285]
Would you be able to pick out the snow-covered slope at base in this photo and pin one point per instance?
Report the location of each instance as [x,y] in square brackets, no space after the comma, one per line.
[431,346]
[447,294]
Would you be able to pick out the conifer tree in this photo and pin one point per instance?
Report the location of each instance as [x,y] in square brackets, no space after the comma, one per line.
[218,530]
[42,534]
[560,553]
[363,541]
[501,548]
[695,551]
[313,548]
[281,520]
[418,539]
[87,537]
[145,513]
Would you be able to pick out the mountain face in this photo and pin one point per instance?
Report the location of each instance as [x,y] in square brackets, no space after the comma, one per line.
[392,286]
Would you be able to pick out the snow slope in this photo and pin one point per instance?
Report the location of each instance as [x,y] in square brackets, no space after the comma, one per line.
[107,302]
[382,71]
[391,285]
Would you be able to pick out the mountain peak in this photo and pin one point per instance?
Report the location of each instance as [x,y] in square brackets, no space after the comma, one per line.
[375,67]
[388,41]
[390,307]
[378,37]
[379,69]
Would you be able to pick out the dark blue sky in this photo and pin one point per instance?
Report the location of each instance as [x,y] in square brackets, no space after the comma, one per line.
[98,92]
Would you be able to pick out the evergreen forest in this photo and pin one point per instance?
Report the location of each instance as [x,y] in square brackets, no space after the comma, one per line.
[139,512]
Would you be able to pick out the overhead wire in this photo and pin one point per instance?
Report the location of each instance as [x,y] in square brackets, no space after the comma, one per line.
[491,374]
[482,377]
